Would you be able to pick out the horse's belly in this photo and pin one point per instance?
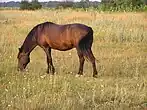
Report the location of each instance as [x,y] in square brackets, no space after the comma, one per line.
[61,46]
[60,43]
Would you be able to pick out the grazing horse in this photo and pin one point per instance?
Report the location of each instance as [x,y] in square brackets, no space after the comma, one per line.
[49,36]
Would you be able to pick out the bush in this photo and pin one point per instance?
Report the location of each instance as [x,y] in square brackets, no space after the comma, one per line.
[122,5]
[25,5]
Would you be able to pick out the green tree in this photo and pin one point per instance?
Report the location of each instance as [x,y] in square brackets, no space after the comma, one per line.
[125,2]
[36,5]
[122,4]
[25,5]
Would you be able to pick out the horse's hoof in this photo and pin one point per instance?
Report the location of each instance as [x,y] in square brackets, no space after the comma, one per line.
[95,76]
[50,73]
[47,72]
[78,75]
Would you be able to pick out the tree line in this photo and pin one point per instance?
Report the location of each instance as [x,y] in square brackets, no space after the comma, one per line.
[34,5]
[105,5]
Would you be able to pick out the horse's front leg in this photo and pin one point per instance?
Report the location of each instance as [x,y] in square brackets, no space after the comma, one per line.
[50,68]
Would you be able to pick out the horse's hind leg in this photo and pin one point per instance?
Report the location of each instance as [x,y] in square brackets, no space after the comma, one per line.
[92,60]
[49,60]
[81,60]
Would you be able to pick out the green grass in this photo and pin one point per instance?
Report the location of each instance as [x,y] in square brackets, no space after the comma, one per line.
[120,45]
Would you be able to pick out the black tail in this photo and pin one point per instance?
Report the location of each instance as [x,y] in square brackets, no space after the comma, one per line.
[85,44]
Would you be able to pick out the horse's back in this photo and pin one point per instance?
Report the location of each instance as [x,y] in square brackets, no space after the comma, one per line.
[62,37]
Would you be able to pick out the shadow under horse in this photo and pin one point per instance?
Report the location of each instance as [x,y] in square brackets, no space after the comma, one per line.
[49,36]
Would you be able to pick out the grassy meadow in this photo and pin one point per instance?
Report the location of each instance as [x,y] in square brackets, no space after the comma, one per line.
[120,46]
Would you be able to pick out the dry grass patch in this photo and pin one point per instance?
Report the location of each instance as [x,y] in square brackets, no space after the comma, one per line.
[120,45]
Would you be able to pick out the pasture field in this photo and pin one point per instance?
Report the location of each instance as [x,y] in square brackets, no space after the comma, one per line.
[120,46]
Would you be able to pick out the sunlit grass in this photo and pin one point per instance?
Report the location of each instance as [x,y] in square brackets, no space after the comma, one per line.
[120,46]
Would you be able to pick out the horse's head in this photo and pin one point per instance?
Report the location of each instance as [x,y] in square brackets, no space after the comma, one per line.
[23,60]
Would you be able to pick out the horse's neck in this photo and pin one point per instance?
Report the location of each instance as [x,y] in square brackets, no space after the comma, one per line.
[28,45]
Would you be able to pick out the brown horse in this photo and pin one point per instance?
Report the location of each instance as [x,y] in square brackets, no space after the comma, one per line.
[49,36]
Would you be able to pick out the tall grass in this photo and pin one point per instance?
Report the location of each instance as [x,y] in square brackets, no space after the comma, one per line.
[120,45]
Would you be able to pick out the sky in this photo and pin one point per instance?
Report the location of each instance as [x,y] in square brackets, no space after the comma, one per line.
[44,0]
